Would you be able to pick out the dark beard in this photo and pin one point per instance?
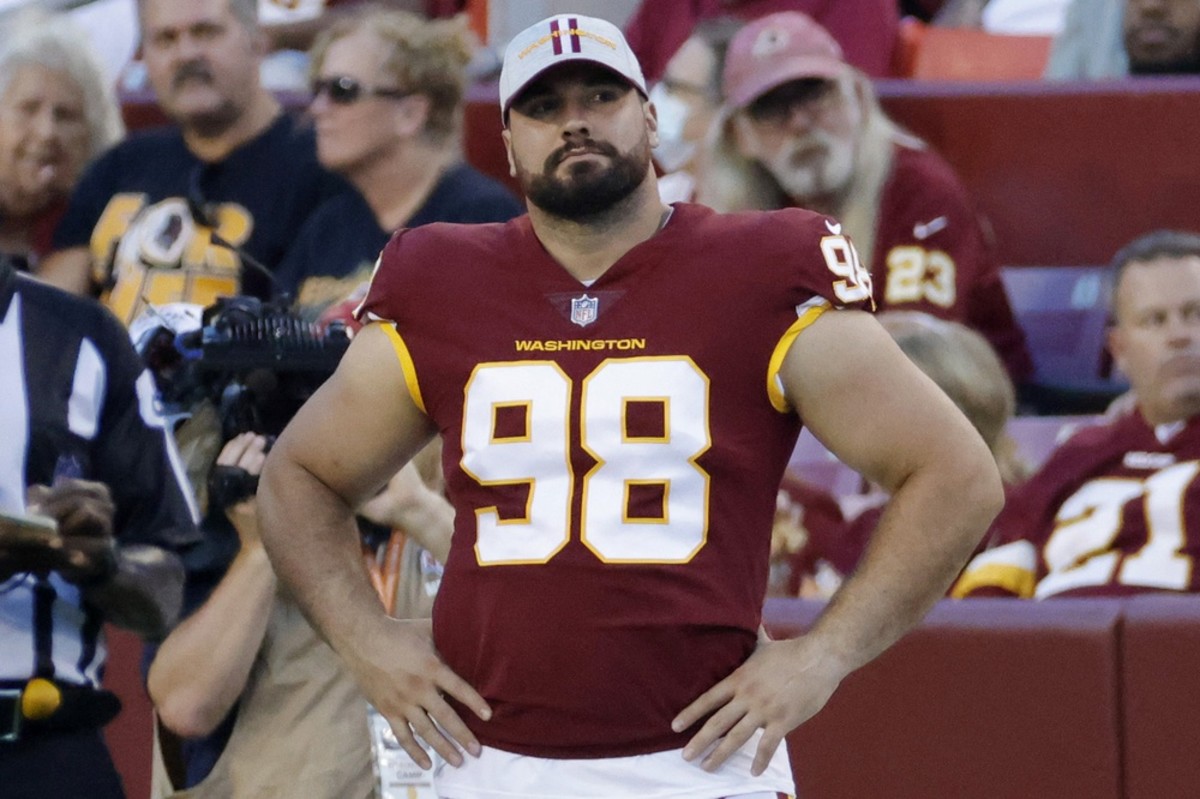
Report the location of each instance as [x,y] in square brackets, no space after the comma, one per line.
[591,190]
[1187,63]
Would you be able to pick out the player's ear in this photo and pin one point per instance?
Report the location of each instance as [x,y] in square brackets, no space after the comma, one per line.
[506,135]
[1116,347]
[651,114]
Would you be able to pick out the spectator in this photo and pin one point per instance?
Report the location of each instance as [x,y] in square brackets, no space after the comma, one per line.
[1015,17]
[1115,508]
[1162,37]
[801,127]
[56,114]
[866,29]
[687,100]
[387,103]
[265,707]
[1116,38]
[84,445]
[613,449]
[185,213]
[836,531]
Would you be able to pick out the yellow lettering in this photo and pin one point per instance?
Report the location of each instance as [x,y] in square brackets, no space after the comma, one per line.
[573,345]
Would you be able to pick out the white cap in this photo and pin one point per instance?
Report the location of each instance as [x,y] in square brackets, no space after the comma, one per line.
[561,39]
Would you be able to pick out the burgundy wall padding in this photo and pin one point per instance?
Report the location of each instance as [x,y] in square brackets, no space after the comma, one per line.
[1162,696]
[999,698]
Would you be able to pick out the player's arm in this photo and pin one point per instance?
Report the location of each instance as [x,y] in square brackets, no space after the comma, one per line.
[69,270]
[873,408]
[347,441]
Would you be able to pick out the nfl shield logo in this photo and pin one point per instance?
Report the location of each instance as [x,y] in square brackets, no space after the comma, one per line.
[584,310]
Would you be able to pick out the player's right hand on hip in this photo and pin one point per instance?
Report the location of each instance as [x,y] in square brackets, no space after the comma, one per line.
[406,680]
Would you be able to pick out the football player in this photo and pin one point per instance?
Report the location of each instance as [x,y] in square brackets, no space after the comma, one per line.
[618,385]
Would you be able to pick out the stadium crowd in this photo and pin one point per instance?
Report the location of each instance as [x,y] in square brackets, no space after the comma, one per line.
[321,166]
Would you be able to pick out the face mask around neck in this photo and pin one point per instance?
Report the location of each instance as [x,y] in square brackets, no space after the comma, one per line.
[672,152]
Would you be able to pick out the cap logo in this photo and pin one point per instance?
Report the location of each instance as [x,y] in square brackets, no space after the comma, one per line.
[573,33]
[769,42]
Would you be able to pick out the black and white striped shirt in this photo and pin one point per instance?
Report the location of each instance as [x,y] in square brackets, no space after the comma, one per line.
[75,400]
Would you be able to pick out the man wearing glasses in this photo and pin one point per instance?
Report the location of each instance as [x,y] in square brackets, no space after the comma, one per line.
[801,127]
[205,208]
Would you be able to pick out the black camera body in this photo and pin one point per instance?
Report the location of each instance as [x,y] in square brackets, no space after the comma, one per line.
[256,361]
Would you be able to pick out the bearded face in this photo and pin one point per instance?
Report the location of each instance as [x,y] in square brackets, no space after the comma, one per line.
[585,178]
[805,134]
[815,165]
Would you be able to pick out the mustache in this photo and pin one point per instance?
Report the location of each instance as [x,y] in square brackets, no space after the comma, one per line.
[588,146]
[192,69]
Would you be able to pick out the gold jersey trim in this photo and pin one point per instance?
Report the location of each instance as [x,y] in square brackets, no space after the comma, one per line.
[779,400]
[406,363]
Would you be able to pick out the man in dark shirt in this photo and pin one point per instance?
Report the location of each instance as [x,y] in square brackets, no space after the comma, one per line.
[208,207]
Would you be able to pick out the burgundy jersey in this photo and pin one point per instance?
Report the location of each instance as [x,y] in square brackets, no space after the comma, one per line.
[612,452]
[931,255]
[1115,510]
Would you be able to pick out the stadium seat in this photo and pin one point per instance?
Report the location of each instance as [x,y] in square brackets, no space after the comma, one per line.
[817,466]
[1064,312]
[1037,436]
[967,54]
[908,41]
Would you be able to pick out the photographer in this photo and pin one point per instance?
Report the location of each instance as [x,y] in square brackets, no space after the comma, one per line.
[300,724]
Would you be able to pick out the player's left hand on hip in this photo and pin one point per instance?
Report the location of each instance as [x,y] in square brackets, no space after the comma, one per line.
[782,685]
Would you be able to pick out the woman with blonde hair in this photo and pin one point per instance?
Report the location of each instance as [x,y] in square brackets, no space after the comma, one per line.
[387,91]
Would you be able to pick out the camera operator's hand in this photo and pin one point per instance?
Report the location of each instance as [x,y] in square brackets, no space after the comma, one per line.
[247,451]
[407,503]
[84,511]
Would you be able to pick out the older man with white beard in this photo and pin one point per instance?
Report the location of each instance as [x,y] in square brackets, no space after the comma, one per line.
[801,127]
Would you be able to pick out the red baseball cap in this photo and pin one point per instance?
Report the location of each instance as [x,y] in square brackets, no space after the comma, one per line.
[774,50]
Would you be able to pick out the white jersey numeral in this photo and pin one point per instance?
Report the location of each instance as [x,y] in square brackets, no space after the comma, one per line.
[516,431]
[1079,552]
[916,274]
[842,260]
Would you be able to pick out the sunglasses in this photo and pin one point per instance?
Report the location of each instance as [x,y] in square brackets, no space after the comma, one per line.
[345,90]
